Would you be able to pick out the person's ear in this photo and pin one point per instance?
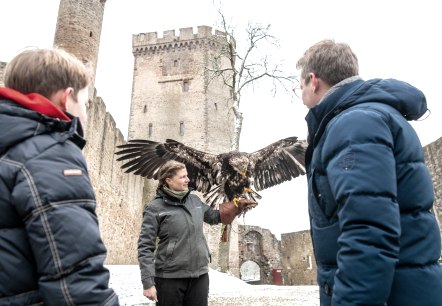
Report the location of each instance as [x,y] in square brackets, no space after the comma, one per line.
[65,96]
[60,98]
[314,80]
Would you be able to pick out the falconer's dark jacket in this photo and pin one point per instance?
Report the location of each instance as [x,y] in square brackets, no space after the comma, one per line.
[182,250]
[51,252]
[375,238]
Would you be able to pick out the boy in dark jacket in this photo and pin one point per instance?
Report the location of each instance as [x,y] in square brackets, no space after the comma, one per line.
[51,252]
[375,237]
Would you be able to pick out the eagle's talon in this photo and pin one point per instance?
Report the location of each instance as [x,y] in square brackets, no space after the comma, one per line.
[235,201]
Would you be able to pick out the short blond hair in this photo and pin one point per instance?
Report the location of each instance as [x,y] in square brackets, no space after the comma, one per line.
[45,71]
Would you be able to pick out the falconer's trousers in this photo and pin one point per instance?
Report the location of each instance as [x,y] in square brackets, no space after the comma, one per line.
[183,291]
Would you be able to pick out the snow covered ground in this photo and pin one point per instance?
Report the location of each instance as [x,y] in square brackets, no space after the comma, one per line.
[224,290]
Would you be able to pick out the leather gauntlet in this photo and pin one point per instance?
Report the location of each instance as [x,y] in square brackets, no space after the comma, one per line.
[228,210]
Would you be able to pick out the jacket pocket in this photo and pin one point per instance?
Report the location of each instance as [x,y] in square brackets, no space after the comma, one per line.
[326,243]
[169,252]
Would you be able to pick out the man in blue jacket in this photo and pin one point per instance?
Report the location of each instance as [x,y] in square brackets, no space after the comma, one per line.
[375,237]
[51,252]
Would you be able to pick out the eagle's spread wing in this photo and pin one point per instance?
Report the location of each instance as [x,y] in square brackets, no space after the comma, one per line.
[223,177]
[279,162]
[145,158]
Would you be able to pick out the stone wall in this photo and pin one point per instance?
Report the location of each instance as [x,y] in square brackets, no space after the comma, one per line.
[2,70]
[259,246]
[298,259]
[262,256]
[433,159]
[119,195]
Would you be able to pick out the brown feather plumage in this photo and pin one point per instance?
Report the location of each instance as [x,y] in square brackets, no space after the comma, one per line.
[220,177]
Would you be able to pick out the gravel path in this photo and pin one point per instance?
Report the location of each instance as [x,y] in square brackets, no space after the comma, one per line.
[225,290]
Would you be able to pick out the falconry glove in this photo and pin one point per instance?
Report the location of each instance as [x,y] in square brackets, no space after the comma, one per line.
[228,210]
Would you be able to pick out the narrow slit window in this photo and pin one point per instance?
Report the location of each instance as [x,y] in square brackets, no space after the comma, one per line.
[309,262]
[149,132]
[185,86]
[181,128]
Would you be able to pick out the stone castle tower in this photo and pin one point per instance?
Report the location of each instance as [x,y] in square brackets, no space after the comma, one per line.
[78,29]
[174,97]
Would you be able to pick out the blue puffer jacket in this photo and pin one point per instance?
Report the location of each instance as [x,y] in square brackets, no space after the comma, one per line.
[375,238]
[51,252]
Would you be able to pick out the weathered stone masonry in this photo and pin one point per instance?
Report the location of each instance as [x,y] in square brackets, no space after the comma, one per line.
[170,101]
[433,159]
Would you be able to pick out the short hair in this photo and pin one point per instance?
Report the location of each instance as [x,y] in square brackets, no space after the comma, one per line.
[330,61]
[169,170]
[46,71]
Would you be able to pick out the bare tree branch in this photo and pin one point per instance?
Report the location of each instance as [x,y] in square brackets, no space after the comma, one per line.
[245,68]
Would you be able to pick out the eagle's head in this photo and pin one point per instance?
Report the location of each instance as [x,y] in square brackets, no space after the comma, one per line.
[240,163]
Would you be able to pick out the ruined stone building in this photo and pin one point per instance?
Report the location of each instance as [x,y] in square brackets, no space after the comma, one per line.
[259,255]
[171,99]
[264,259]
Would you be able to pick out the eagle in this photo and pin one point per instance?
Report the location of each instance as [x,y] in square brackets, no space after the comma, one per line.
[219,177]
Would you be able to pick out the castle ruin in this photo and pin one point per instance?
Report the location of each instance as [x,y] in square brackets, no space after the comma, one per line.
[170,99]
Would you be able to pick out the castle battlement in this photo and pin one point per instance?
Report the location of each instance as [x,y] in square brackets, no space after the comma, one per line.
[171,40]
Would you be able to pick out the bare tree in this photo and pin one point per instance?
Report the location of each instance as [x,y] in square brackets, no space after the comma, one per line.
[246,68]
[239,67]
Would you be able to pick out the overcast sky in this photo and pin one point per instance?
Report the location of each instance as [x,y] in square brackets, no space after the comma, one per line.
[392,39]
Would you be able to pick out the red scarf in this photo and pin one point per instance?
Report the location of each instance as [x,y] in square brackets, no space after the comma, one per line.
[35,102]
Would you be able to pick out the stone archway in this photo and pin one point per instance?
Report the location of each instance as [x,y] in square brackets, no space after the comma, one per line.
[250,272]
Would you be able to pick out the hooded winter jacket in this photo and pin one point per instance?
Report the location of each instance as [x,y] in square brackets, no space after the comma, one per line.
[181,250]
[51,252]
[375,237]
